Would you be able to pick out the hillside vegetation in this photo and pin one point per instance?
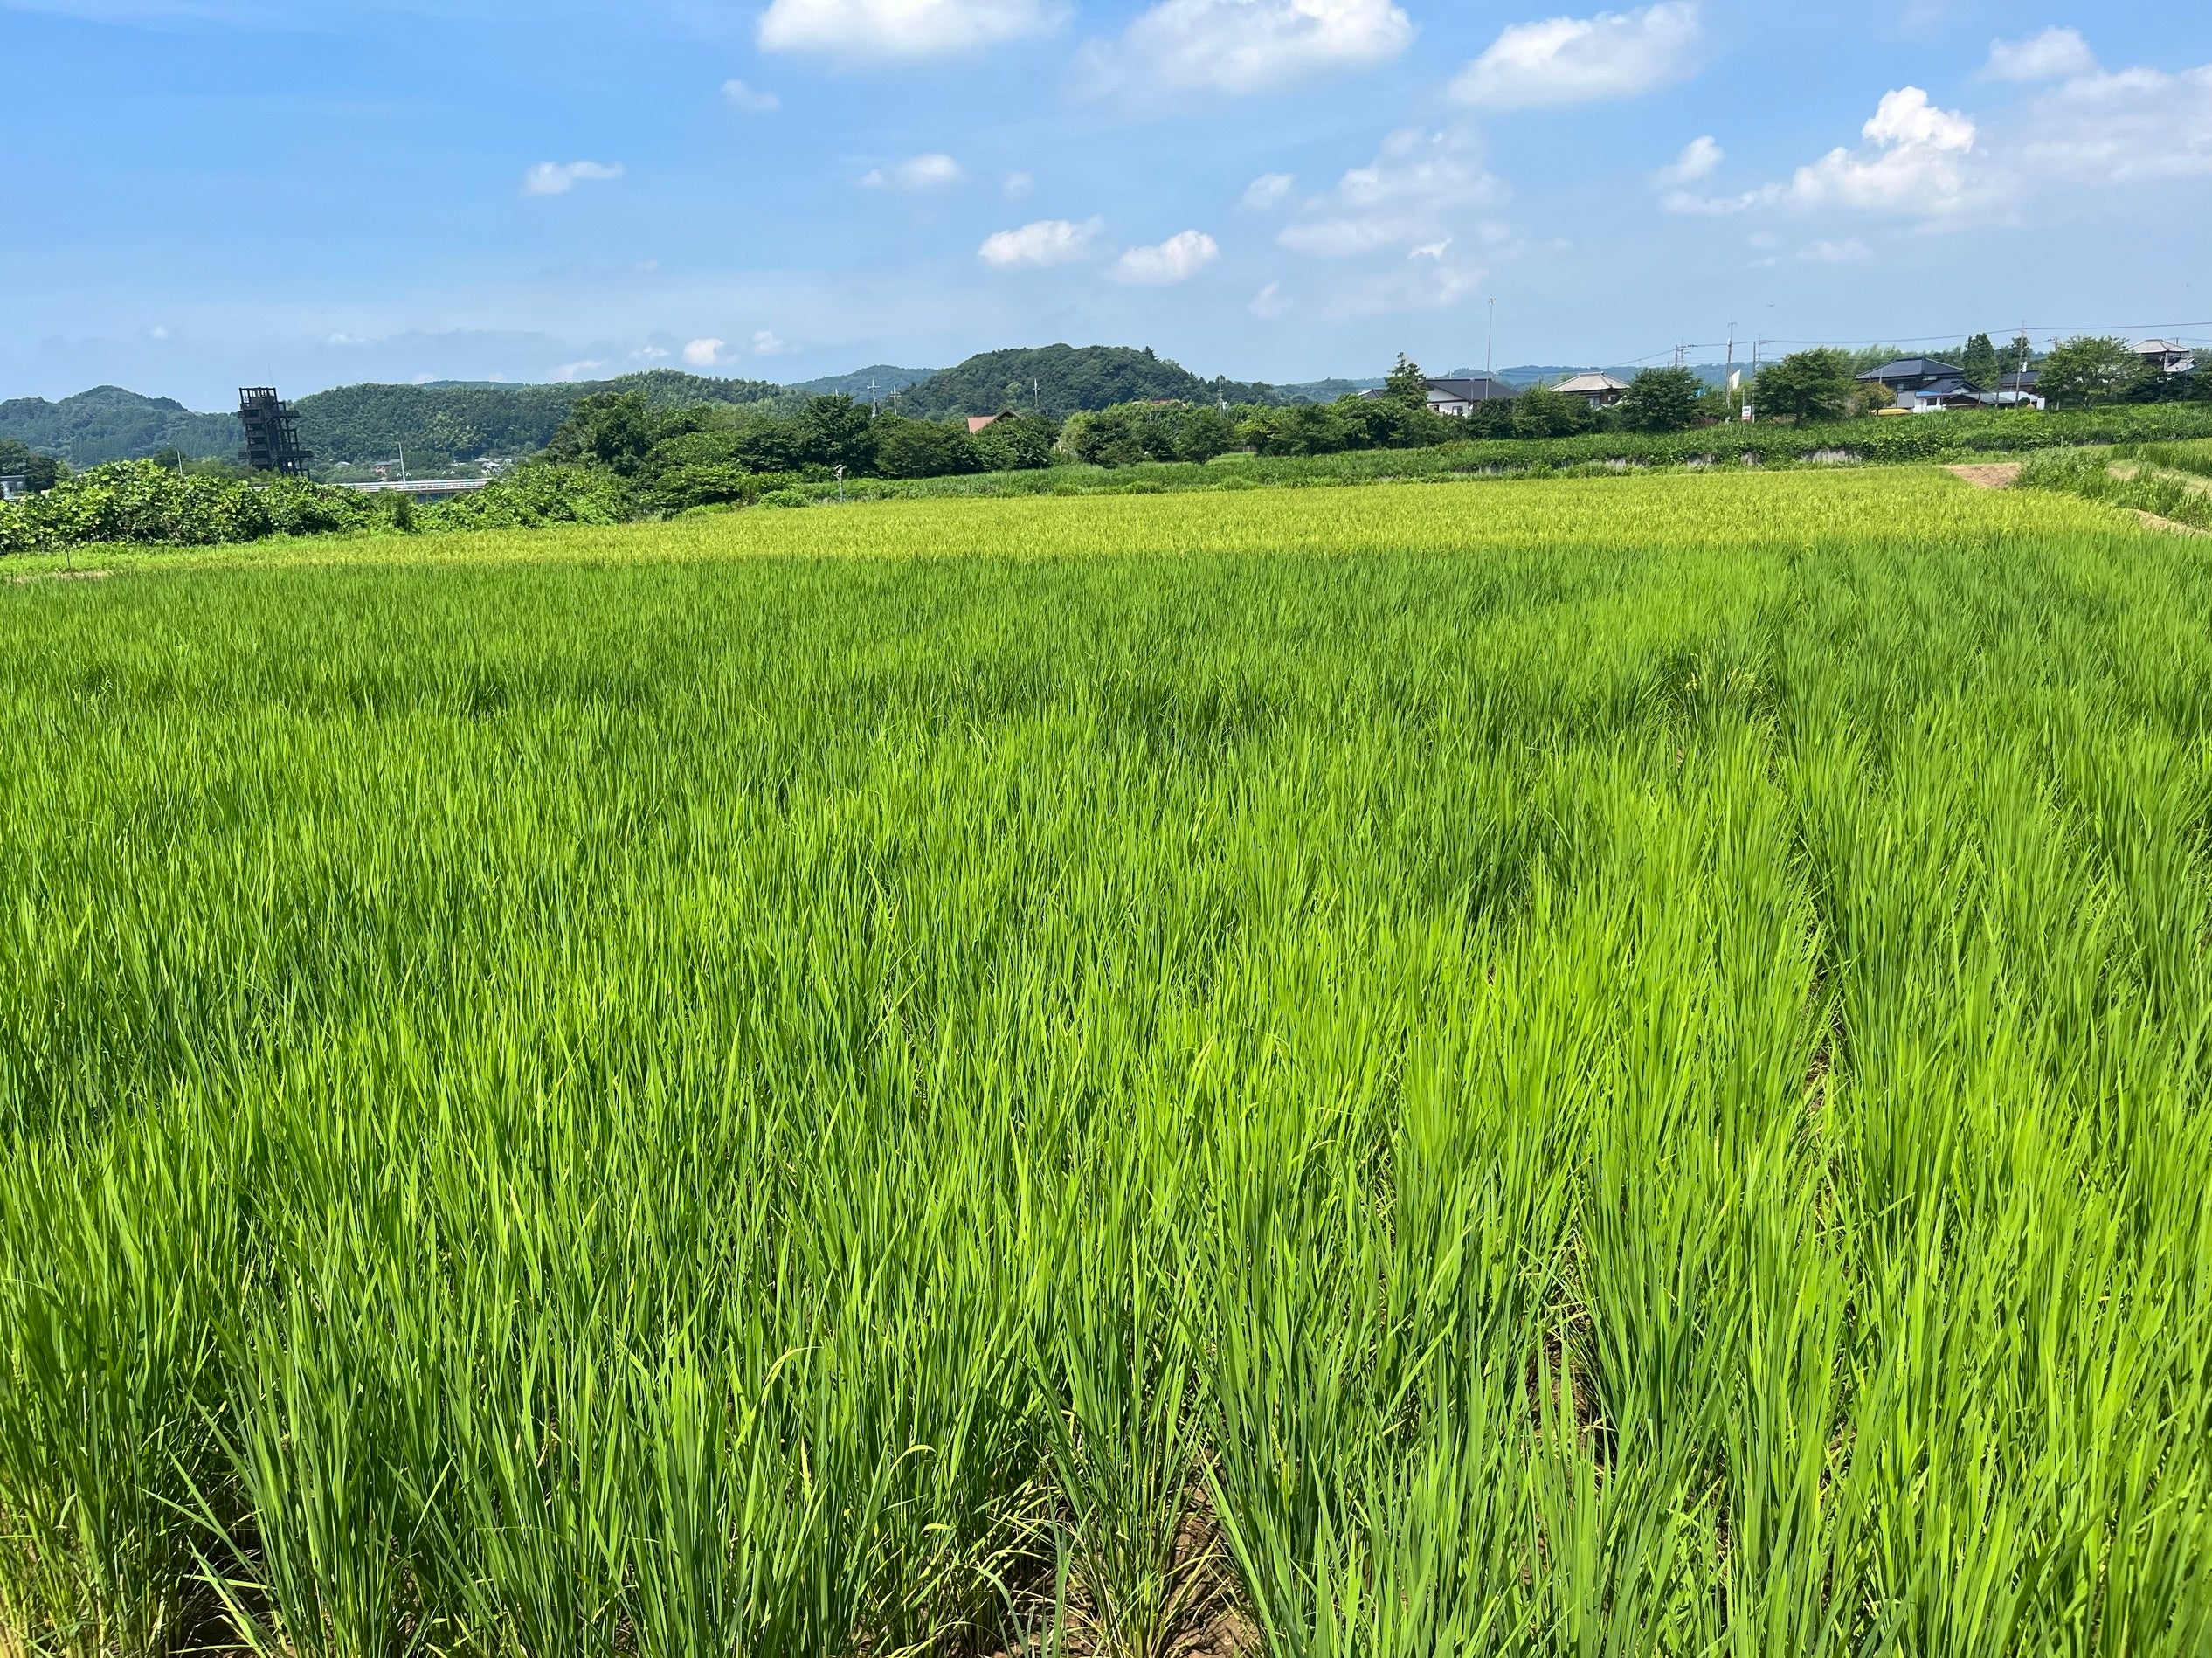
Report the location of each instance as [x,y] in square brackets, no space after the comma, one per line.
[1060,380]
[110,424]
[365,424]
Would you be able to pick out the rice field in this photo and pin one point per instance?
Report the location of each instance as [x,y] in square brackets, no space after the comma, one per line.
[1589,1067]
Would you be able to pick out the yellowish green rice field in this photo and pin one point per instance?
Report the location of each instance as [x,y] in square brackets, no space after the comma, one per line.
[1593,1067]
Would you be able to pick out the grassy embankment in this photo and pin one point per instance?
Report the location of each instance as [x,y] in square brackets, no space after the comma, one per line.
[1611,1066]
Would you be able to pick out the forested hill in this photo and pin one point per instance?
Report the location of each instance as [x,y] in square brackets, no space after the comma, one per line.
[878,379]
[360,424]
[444,422]
[1062,379]
[110,424]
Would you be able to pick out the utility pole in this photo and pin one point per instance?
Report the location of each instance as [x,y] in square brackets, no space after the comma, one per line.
[874,403]
[1490,342]
[1036,398]
[403,462]
[1728,370]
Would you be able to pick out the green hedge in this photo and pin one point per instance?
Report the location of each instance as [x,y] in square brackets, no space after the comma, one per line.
[136,501]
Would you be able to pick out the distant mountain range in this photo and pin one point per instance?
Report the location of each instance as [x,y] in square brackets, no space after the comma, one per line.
[447,421]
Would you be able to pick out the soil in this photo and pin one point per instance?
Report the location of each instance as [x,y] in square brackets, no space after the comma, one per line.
[2172,526]
[1993,474]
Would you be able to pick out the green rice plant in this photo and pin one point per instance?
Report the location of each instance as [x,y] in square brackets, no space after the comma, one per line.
[1593,1066]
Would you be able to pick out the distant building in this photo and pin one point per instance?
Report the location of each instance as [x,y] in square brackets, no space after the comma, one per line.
[14,488]
[2165,356]
[977,422]
[1458,395]
[2016,389]
[1941,395]
[1599,390]
[1913,375]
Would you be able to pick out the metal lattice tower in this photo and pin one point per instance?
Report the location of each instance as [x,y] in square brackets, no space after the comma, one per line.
[271,433]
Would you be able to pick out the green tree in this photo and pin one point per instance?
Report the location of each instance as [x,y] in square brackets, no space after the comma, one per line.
[2089,369]
[1407,383]
[1204,433]
[1541,413]
[39,472]
[1806,386]
[1016,443]
[922,448]
[1661,400]
[1979,359]
[615,430]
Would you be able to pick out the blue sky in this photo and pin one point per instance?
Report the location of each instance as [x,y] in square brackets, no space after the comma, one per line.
[213,192]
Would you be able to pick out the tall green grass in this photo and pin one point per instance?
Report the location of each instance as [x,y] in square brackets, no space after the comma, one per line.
[1586,1068]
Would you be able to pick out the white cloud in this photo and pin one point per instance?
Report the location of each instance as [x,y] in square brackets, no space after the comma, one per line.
[1422,185]
[2068,147]
[1699,158]
[648,354]
[933,171]
[702,354]
[558,179]
[750,100]
[1048,241]
[1267,191]
[1914,163]
[1849,252]
[1239,46]
[878,30]
[578,371]
[2056,54]
[1432,251]
[1019,187]
[1579,60]
[1270,304]
[1183,255]
[765,344]
[2101,129]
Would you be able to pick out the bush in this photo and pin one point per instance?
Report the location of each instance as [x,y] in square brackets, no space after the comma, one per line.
[534,495]
[137,501]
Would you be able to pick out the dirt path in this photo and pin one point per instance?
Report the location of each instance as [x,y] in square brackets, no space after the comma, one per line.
[60,576]
[1993,474]
[2171,525]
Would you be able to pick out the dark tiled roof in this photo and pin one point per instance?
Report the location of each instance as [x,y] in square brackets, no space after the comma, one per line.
[1911,368]
[1479,387]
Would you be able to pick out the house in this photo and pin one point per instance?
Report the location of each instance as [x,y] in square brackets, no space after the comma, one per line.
[1599,390]
[14,488]
[1458,396]
[1942,395]
[2165,356]
[2018,390]
[977,422]
[1913,374]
